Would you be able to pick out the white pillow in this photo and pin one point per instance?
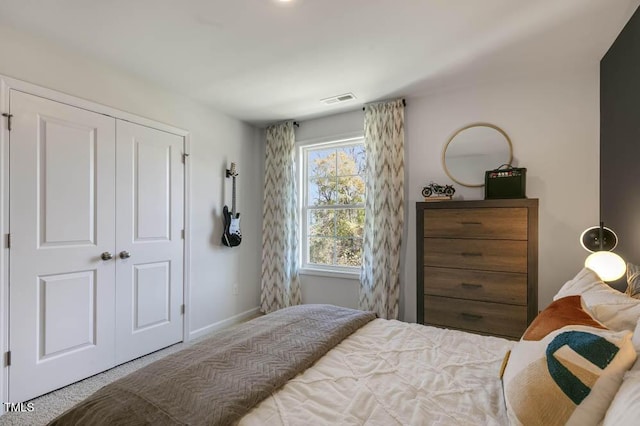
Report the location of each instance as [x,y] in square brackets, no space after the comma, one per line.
[625,407]
[614,309]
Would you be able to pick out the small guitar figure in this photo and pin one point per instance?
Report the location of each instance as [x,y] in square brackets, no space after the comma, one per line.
[231,236]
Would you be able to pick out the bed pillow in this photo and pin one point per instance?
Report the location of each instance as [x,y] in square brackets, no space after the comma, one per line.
[563,373]
[625,408]
[565,311]
[633,280]
[614,309]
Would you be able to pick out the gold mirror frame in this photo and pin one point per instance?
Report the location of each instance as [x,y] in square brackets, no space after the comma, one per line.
[456,133]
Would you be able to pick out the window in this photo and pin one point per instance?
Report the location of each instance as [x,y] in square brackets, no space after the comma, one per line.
[333,191]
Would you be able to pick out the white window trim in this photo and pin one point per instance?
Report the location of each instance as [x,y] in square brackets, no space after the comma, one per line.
[333,271]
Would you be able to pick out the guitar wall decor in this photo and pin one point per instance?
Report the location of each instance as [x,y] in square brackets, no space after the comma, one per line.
[231,236]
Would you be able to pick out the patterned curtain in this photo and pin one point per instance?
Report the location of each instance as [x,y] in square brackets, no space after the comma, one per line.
[384,208]
[280,285]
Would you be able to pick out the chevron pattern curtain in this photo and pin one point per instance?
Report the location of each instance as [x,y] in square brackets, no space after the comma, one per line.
[384,208]
[280,285]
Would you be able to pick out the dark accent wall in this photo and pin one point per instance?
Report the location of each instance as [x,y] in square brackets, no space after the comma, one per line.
[620,140]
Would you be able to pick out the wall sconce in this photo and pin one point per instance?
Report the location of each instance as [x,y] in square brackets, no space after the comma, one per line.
[600,241]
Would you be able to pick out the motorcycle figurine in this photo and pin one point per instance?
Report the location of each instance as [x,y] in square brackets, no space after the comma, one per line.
[435,189]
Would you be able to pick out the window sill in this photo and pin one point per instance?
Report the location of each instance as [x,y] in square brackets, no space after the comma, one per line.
[329,274]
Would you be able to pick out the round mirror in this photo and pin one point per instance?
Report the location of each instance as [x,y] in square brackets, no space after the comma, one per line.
[473,150]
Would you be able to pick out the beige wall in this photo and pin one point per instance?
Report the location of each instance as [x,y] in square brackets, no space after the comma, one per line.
[553,122]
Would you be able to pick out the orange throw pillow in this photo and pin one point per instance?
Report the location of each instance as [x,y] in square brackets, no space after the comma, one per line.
[562,312]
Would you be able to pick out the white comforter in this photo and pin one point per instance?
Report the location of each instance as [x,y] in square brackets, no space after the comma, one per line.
[394,373]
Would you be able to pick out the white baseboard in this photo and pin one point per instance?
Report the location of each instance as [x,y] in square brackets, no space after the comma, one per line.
[236,319]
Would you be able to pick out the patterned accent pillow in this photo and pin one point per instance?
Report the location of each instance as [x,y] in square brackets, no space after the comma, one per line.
[568,375]
[633,280]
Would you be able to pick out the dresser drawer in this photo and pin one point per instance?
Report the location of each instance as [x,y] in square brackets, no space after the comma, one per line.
[500,287]
[488,255]
[486,317]
[488,223]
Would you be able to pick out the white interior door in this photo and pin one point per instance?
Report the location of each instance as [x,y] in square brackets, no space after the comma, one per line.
[62,218]
[149,223]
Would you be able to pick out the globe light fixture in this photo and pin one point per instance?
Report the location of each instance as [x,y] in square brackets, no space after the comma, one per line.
[608,265]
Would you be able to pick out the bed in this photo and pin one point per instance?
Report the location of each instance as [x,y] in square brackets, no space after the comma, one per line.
[322,364]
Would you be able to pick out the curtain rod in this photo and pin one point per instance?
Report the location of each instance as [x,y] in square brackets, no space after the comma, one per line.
[404,103]
[296,124]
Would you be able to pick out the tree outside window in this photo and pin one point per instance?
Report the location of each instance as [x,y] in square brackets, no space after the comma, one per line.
[334,204]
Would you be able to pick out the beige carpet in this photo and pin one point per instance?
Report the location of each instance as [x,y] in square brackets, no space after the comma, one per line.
[48,406]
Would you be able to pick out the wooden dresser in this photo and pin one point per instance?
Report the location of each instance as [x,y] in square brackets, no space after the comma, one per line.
[478,265]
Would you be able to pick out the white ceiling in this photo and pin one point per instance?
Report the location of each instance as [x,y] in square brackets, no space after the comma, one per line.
[264,60]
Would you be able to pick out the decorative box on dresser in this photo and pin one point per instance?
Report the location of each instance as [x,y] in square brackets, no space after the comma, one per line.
[478,265]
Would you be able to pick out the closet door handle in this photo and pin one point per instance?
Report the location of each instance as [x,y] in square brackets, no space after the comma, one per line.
[106,256]
[125,254]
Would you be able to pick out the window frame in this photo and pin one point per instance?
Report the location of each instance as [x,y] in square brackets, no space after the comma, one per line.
[306,268]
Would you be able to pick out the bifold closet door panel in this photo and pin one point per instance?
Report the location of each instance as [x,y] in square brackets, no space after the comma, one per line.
[149,223]
[62,214]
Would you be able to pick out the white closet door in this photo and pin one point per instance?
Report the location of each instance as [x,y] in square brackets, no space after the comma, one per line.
[62,219]
[149,223]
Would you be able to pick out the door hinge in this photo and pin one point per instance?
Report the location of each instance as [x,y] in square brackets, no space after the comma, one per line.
[182,309]
[9,116]
[8,241]
[7,358]
[184,157]
[182,233]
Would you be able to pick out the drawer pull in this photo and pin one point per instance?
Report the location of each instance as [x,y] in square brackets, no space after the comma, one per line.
[472,254]
[470,285]
[471,223]
[470,317]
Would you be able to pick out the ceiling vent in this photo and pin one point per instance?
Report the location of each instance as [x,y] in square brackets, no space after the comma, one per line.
[338,99]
